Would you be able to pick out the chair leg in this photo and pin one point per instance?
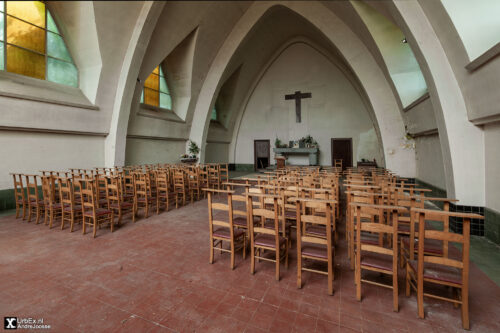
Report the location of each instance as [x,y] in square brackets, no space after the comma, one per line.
[420,297]
[232,253]
[465,307]
[357,275]
[252,259]
[17,210]
[395,291]
[277,264]
[408,286]
[83,225]
[211,251]
[244,246]
[299,269]
[95,226]
[24,211]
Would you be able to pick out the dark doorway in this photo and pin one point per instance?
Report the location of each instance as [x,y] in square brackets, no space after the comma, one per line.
[342,149]
[261,153]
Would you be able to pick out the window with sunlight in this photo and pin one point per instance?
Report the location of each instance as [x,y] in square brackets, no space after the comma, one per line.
[156,92]
[31,44]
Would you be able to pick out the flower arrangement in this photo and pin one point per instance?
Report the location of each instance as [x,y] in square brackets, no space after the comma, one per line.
[193,149]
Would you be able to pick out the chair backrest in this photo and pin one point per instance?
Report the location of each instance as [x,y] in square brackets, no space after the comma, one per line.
[88,196]
[179,181]
[306,208]
[140,185]
[66,194]
[217,206]
[49,190]
[264,214]
[113,191]
[19,193]
[428,232]
[384,228]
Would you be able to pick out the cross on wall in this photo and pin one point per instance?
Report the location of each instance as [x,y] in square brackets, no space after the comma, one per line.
[298,96]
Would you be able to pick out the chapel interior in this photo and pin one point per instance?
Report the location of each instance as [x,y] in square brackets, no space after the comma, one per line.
[250,166]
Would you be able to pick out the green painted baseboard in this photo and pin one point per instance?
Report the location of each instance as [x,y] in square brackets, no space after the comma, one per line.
[7,200]
[492,225]
[243,167]
[436,191]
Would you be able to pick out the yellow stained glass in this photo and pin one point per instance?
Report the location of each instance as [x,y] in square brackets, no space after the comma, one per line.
[29,11]
[152,82]
[25,62]
[156,70]
[25,35]
[151,97]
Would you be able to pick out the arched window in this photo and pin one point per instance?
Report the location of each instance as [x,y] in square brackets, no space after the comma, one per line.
[156,92]
[31,44]
[214,114]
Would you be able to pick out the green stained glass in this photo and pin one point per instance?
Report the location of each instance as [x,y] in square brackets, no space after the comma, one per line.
[142,96]
[51,25]
[161,71]
[62,72]
[163,85]
[2,61]
[2,6]
[214,114]
[2,25]
[165,101]
[56,47]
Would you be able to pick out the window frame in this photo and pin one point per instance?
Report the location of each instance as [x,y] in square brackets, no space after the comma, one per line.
[45,55]
[157,107]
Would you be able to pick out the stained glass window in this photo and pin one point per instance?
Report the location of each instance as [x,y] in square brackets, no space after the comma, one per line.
[214,114]
[156,91]
[31,44]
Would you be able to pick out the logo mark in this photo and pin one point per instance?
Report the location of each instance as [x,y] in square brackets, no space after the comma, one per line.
[10,323]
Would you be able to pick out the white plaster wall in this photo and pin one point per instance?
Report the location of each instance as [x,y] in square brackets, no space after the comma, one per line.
[24,152]
[492,165]
[217,152]
[145,151]
[430,167]
[334,111]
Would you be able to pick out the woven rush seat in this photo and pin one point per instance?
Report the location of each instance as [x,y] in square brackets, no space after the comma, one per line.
[224,233]
[315,251]
[439,272]
[98,212]
[76,207]
[123,205]
[268,240]
[377,260]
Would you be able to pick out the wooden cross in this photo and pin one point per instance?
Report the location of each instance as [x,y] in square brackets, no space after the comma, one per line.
[297,97]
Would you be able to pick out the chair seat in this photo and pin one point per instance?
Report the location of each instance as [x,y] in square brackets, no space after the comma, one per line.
[270,225]
[377,260]
[103,202]
[123,205]
[224,233]
[268,240]
[431,246]
[240,221]
[98,212]
[439,272]
[54,206]
[316,251]
[143,199]
[290,214]
[75,208]
[316,230]
[404,228]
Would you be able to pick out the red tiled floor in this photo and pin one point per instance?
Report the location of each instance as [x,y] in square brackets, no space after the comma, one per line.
[154,276]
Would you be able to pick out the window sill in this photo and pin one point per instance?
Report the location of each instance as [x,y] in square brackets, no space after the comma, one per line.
[159,113]
[27,88]
[483,58]
[416,102]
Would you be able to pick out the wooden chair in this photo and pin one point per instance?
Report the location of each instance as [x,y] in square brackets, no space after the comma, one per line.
[114,195]
[143,195]
[265,239]
[316,248]
[35,202]
[448,271]
[53,209]
[194,186]
[72,211]
[164,193]
[20,195]
[381,258]
[180,188]
[226,231]
[338,163]
[92,214]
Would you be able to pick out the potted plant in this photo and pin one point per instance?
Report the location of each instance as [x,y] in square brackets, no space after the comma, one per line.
[193,151]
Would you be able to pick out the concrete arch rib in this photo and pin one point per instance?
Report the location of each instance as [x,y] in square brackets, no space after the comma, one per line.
[383,102]
[114,149]
[462,143]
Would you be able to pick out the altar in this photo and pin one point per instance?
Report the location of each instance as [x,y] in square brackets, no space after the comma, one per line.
[312,152]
